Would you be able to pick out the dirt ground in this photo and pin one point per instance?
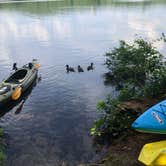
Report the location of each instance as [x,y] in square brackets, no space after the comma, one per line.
[125,152]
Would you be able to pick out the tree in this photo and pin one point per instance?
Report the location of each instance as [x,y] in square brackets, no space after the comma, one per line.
[137,65]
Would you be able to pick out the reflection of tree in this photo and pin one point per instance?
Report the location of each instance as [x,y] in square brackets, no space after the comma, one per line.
[72,2]
[110,81]
[49,7]
[7,107]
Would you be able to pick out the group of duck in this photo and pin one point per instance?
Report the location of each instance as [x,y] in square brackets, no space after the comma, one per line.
[79,68]
[153,121]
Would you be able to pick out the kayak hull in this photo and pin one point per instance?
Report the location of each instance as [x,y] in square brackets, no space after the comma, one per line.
[153,154]
[153,120]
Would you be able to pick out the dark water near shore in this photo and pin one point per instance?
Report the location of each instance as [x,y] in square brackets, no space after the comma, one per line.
[53,125]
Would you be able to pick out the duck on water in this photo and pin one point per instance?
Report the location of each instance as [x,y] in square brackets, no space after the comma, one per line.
[80,69]
[18,81]
[69,69]
[90,67]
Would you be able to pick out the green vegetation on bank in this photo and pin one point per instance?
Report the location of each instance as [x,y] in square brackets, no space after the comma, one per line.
[2,155]
[139,69]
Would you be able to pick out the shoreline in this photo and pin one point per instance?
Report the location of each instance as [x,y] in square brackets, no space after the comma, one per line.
[125,149]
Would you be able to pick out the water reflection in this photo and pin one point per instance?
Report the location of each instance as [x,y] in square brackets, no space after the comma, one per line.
[52,6]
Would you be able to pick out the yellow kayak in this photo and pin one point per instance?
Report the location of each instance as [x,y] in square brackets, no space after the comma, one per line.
[153,154]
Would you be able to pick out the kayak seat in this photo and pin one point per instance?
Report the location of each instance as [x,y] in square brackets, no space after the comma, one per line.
[17,77]
[21,80]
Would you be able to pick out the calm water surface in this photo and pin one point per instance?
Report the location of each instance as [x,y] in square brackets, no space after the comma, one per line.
[53,125]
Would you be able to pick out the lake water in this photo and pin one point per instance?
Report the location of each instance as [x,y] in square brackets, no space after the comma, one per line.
[53,124]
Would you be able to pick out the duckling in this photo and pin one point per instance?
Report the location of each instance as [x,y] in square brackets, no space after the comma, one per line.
[90,67]
[69,69]
[80,69]
[15,66]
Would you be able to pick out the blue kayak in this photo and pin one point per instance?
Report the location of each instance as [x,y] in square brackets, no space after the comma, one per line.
[153,120]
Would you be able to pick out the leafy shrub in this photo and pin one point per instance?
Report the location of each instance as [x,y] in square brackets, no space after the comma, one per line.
[113,120]
[2,157]
[1,132]
[155,85]
[136,65]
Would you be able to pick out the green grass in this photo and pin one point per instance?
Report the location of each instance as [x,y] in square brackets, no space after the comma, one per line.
[1,132]
[2,155]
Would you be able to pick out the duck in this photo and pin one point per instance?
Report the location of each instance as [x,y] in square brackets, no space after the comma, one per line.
[15,66]
[80,69]
[90,67]
[69,69]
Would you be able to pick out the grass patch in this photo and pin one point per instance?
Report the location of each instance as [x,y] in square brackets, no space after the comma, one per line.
[2,155]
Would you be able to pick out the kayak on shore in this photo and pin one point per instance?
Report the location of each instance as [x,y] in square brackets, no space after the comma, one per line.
[153,120]
[153,154]
[18,81]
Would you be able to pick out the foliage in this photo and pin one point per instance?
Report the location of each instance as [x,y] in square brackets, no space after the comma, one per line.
[134,63]
[113,121]
[105,108]
[129,91]
[155,85]
[1,132]
[139,67]
[2,155]
[141,71]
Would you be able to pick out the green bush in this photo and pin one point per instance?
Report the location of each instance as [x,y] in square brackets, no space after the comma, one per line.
[155,85]
[2,157]
[1,132]
[113,120]
[105,108]
[136,65]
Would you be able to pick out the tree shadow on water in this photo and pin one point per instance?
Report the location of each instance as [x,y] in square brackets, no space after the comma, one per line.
[109,80]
